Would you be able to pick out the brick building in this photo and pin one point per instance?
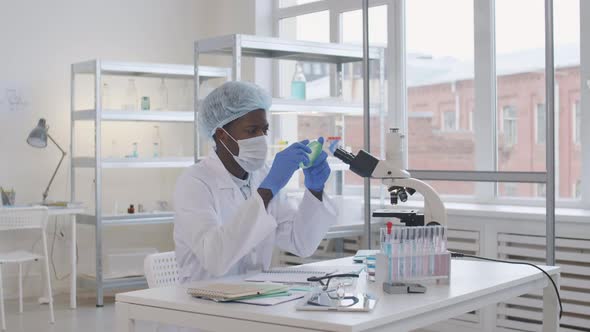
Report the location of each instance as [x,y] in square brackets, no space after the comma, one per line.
[440,119]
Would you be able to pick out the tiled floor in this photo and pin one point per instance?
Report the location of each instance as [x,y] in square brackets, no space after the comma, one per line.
[86,318]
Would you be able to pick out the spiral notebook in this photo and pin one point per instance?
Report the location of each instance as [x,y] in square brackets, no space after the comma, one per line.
[290,275]
[233,291]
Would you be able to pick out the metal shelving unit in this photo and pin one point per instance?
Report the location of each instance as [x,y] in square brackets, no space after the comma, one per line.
[238,46]
[98,69]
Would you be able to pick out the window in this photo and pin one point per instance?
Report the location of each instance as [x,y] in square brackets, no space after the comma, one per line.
[449,122]
[441,85]
[439,79]
[540,124]
[510,126]
[577,122]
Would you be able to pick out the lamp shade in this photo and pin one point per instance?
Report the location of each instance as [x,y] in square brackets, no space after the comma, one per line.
[38,136]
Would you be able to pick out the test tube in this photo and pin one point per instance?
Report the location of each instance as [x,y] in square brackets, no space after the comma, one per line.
[383,238]
[396,254]
[425,262]
[408,254]
[437,248]
[413,248]
[402,253]
[444,256]
[419,251]
[444,239]
[431,250]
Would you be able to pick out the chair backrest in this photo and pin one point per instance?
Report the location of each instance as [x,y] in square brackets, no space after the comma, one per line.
[14,218]
[161,269]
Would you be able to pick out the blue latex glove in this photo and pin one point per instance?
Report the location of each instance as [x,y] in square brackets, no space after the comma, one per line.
[284,165]
[317,175]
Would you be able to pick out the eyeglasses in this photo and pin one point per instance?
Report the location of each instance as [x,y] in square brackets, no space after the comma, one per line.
[335,296]
[343,279]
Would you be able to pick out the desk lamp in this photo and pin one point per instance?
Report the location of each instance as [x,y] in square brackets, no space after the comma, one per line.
[38,139]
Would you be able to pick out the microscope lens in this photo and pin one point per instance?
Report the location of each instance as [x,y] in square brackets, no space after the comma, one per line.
[403,196]
[393,198]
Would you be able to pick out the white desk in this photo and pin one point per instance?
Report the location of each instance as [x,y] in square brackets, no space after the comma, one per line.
[62,211]
[473,285]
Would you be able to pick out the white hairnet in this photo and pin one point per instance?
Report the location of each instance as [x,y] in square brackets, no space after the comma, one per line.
[231,101]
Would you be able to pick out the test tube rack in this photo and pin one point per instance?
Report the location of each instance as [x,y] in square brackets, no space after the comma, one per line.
[411,254]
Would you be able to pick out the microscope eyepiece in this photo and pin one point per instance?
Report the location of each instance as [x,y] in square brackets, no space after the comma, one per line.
[344,155]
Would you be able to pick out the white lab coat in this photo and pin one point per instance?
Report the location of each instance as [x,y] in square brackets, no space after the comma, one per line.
[217,232]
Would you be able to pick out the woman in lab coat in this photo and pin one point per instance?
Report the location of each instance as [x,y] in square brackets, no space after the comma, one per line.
[230,211]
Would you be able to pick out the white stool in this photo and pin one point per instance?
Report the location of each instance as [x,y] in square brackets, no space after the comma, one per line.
[24,218]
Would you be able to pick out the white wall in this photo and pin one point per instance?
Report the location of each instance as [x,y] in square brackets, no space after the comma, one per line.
[40,39]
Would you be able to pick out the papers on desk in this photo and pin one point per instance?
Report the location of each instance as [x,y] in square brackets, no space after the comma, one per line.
[223,292]
[289,275]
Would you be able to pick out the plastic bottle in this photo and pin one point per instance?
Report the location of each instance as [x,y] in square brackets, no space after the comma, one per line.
[163,95]
[298,83]
[156,143]
[106,96]
[130,96]
[145,103]
[135,152]
[316,149]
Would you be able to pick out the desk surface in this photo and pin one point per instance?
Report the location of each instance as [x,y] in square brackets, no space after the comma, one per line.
[470,280]
[59,210]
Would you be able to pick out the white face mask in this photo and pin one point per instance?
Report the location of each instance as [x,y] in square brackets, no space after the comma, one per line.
[252,152]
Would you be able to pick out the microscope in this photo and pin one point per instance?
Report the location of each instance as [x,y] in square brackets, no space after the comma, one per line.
[398,181]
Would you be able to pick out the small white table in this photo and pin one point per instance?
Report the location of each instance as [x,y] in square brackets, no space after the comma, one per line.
[72,212]
[473,285]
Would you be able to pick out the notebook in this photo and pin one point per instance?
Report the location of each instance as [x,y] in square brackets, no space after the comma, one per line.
[264,300]
[234,291]
[293,275]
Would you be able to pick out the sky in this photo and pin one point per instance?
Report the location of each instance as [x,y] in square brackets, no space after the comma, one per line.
[445,28]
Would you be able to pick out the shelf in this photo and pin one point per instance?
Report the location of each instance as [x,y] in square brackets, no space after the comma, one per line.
[279,105]
[129,219]
[86,281]
[319,106]
[166,162]
[149,69]
[277,48]
[151,116]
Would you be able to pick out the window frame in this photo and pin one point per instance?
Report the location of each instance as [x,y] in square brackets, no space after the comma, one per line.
[485,117]
[537,127]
